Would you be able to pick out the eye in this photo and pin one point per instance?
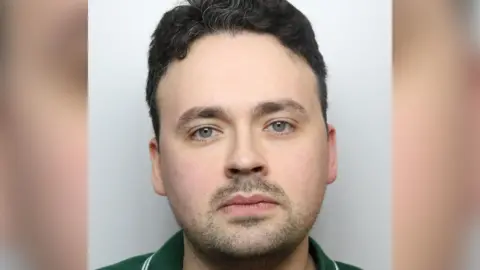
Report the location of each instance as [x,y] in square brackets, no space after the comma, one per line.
[280,127]
[204,133]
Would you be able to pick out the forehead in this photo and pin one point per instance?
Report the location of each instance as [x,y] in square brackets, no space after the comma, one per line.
[232,70]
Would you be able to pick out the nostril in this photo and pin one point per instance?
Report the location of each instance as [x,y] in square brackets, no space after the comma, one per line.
[257,169]
[234,171]
[246,169]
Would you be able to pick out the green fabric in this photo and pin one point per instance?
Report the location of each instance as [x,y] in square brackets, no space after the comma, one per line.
[170,257]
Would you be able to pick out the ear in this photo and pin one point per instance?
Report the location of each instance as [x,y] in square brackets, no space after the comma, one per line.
[332,154]
[157,180]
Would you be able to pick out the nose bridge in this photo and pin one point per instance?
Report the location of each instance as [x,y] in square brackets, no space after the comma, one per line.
[245,154]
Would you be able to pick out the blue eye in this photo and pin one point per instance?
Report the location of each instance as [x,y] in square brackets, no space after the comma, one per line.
[203,133]
[280,127]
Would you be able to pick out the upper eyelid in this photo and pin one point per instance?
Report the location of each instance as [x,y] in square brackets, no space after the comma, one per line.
[288,121]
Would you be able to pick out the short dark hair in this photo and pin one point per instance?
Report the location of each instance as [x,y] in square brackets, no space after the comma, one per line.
[184,24]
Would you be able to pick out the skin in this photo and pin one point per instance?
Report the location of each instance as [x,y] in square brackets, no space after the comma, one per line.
[46,134]
[431,186]
[200,163]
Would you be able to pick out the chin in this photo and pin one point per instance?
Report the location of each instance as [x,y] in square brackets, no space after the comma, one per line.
[253,229]
[260,239]
[250,250]
[258,244]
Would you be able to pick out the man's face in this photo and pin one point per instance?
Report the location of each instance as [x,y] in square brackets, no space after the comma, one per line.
[240,116]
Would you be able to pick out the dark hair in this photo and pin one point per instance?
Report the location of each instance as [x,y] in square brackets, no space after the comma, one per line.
[182,25]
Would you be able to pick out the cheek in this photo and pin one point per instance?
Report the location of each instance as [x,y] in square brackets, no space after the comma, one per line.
[300,168]
[190,179]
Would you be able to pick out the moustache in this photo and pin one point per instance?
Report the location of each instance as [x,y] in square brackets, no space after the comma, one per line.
[248,184]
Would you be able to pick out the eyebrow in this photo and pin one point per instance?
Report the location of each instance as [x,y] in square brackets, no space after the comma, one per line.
[216,112]
[271,107]
[194,113]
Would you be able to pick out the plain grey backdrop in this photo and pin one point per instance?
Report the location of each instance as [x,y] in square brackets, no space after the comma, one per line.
[126,218]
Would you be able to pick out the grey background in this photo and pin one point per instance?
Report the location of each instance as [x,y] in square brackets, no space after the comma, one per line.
[126,218]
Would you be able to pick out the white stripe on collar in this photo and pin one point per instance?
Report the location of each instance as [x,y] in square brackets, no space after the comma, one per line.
[335,264]
[146,264]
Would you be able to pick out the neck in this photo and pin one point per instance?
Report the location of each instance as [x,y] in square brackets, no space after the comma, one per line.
[298,259]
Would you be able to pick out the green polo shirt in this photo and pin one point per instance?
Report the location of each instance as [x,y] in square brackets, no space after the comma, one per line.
[170,257]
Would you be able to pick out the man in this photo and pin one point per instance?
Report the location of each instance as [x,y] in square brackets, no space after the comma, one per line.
[242,147]
[46,67]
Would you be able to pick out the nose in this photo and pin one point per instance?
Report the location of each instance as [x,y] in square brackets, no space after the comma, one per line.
[245,159]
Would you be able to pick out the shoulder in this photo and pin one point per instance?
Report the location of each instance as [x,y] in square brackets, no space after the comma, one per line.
[128,264]
[344,266]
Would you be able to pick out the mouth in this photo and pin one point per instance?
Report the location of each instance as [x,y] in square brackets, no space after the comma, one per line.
[246,201]
[248,206]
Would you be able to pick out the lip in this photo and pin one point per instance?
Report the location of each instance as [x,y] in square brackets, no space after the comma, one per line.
[250,200]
